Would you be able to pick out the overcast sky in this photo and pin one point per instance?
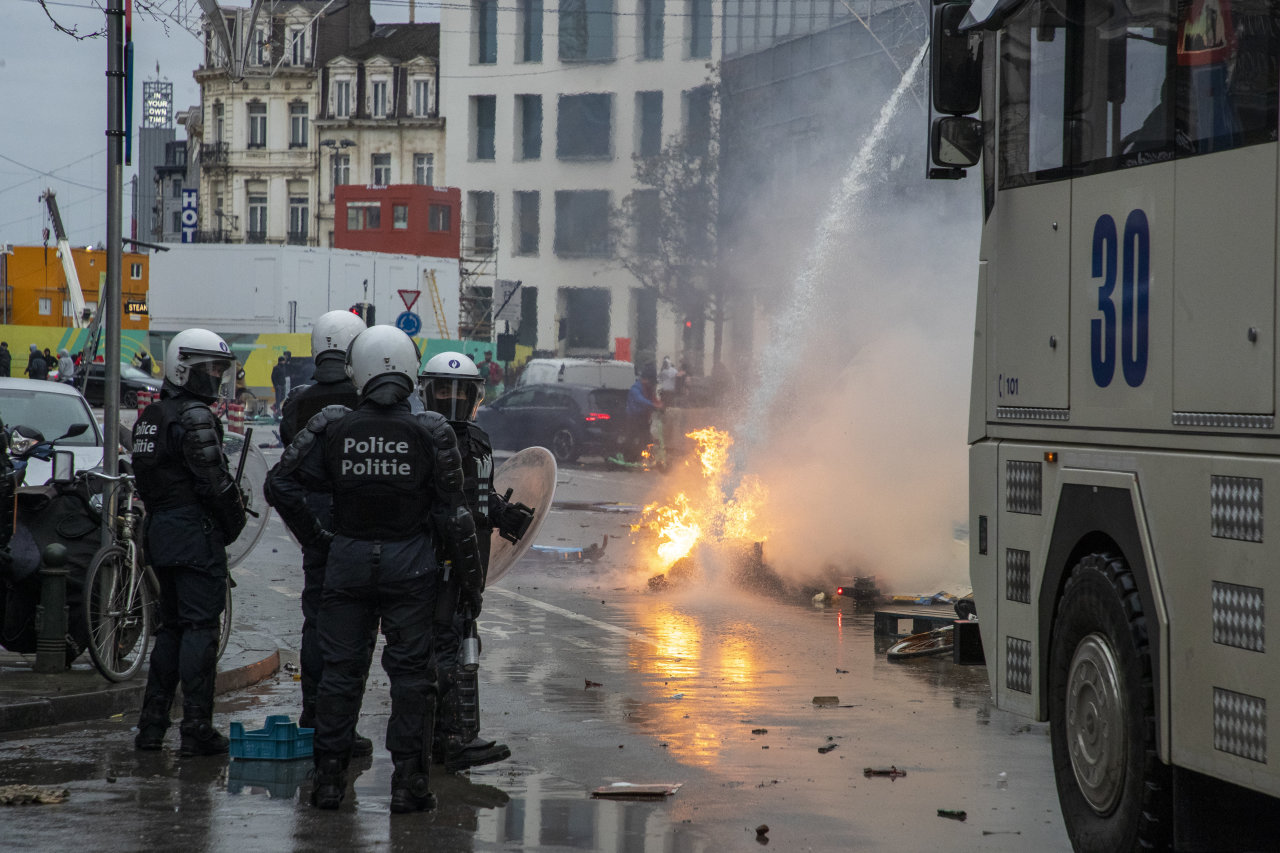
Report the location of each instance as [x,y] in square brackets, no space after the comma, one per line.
[53,91]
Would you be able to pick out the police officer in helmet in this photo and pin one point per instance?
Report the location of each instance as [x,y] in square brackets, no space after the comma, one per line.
[396,482]
[452,385]
[194,509]
[331,335]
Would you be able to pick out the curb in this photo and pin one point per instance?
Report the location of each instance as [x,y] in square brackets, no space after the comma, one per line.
[103,702]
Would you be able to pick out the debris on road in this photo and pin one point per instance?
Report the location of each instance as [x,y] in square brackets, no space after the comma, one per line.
[553,554]
[825,749]
[826,701]
[953,814]
[762,829]
[842,671]
[632,791]
[892,772]
[759,731]
[591,684]
[26,795]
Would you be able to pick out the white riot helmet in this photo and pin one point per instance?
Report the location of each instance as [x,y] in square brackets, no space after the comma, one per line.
[201,362]
[451,384]
[381,351]
[334,331]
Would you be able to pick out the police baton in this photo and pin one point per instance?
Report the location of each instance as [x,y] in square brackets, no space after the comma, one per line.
[244,456]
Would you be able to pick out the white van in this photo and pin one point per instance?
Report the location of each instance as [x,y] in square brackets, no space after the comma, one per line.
[594,372]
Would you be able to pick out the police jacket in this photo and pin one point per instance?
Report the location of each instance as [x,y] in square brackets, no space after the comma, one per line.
[396,482]
[182,474]
[332,388]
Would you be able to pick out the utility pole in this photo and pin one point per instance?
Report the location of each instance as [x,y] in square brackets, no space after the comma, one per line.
[109,304]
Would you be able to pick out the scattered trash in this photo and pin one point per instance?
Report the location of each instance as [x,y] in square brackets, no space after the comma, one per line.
[27,795]
[819,598]
[290,667]
[826,701]
[953,814]
[591,684]
[759,731]
[551,553]
[1002,780]
[281,739]
[936,598]
[111,780]
[631,791]
[842,671]
[892,772]
[676,696]
[1001,832]
[762,829]
[825,749]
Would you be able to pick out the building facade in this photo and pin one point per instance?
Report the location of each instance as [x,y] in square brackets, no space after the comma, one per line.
[547,108]
[36,294]
[403,219]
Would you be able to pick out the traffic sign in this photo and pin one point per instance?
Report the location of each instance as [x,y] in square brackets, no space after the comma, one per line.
[409,297]
[409,323]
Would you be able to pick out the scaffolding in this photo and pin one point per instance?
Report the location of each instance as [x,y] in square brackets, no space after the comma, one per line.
[478,269]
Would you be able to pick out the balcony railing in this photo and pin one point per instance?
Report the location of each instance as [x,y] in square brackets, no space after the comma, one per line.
[214,153]
[255,236]
[213,237]
[297,238]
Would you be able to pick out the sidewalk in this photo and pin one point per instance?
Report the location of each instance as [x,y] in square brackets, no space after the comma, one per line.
[30,700]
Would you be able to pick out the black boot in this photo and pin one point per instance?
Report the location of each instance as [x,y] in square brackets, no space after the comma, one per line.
[360,745]
[153,722]
[330,782]
[474,753]
[199,737]
[410,791]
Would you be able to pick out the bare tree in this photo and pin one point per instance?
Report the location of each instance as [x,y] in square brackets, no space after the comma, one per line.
[665,231]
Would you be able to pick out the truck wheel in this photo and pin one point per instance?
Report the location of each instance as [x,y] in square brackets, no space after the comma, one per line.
[1112,786]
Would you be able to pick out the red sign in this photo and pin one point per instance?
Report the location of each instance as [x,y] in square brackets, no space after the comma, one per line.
[409,297]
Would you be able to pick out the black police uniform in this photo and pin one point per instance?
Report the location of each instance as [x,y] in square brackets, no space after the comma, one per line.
[332,388]
[456,737]
[193,510]
[396,482]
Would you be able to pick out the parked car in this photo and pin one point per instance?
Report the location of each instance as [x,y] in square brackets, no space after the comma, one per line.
[569,420]
[132,380]
[593,372]
[51,408]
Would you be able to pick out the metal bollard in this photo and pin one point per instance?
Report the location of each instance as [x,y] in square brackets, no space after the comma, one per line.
[51,614]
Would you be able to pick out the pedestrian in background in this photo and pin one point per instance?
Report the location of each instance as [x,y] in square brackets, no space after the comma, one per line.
[642,402]
[279,375]
[6,358]
[37,367]
[66,368]
[194,509]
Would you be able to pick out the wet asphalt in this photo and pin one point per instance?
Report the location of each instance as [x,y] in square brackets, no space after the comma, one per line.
[593,679]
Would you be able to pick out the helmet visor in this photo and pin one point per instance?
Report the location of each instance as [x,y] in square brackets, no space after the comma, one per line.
[210,376]
[456,399]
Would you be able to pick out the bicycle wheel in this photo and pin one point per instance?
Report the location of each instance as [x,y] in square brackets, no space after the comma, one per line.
[255,477]
[224,623]
[923,645]
[119,610]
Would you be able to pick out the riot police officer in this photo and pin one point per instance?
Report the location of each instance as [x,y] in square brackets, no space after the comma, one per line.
[451,384]
[396,482]
[330,337]
[194,508]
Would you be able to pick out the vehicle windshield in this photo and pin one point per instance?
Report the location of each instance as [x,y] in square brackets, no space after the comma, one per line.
[128,371]
[50,413]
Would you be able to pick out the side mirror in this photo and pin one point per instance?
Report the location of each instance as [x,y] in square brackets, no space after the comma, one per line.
[64,466]
[956,65]
[956,142]
[73,431]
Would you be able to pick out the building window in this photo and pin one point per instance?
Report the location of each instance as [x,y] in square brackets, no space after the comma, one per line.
[257,125]
[257,219]
[526,225]
[647,211]
[529,114]
[582,223]
[364,216]
[259,53]
[298,45]
[697,127]
[422,98]
[217,123]
[484,110]
[381,164]
[378,106]
[482,220]
[400,216]
[135,272]
[176,192]
[45,305]
[699,28]
[341,172]
[648,124]
[342,99]
[424,169]
[583,126]
[530,24]
[297,125]
[586,29]
[439,217]
[484,24]
[177,221]
[651,27]
[299,213]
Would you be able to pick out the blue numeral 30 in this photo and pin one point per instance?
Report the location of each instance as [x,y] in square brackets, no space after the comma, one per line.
[1134,263]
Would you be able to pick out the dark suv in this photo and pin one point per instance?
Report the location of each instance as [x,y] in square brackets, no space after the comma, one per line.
[568,420]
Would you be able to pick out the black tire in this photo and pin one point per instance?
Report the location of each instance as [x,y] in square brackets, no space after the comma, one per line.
[923,645]
[1114,791]
[129,399]
[564,446]
[224,623]
[119,610]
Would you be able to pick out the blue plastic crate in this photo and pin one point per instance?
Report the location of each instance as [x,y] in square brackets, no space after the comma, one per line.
[282,739]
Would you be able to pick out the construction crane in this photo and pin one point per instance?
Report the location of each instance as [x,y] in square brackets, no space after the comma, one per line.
[79,314]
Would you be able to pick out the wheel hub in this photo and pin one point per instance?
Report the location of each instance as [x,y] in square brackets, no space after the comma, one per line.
[1096,714]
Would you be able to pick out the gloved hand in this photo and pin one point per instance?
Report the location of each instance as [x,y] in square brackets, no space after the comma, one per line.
[511,519]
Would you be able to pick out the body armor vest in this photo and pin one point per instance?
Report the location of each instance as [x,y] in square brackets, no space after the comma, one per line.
[163,480]
[477,471]
[302,406]
[380,465]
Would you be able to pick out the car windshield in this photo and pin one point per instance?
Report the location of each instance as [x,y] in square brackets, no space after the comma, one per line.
[51,413]
[128,371]
[612,401]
